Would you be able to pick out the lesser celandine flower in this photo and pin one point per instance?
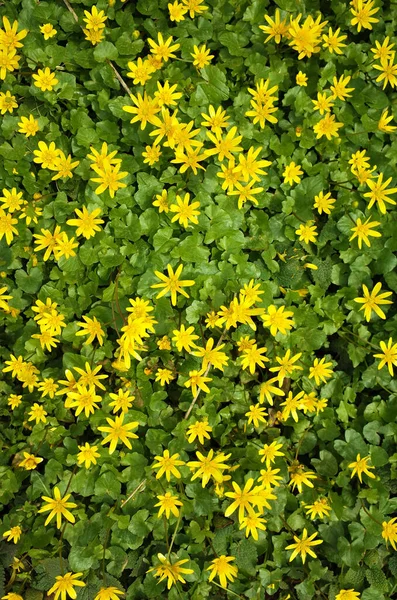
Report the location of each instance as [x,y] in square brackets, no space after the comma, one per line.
[65,584]
[303,546]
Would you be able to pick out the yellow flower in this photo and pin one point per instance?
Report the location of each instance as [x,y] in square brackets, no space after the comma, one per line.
[87,455]
[324,203]
[209,466]
[167,464]
[383,122]
[185,212]
[162,202]
[244,499]
[28,126]
[48,31]
[216,120]
[92,328]
[323,104]
[379,193]
[140,72]
[172,283]
[94,35]
[267,389]
[301,79]
[162,49]
[339,89]
[256,414]
[14,401]
[45,80]
[48,386]
[172,571]
[164,343]
[95,20]
[144,110]
[362,14]
[224,146]
[347,595]
[254,356]
[9,60]
[383,51]
[190,159]
[121,401]
[177,11]
[303,546]
[307,233]
[306,38]
[360,466]
[64,166]
[220,567]
[328,127]
[109,593]
[321,370]
[333,41]
[117,431]
[320,507]
[276,28]
[291,405]
[9,38]
[109,179]
[168,504]
[388,356]
[151,154]
[201,56]
[245,193]
[13,534]
[252,523]
[363,231]
[372,301]
[37,414]
[59,508]
[270,452]
[200,430]
[389,532]
[292,173]
[278,320]
[7,228]
[11,200]
[197,381]
[83,399]
[46,155]
[269,478]
[64,586]
[251,168]
[164,376]
[87,223]
[7,102]
[195,7]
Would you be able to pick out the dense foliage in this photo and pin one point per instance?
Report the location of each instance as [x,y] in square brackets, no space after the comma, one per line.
[198,329]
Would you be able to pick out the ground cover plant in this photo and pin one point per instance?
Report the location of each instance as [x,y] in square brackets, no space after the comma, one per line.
[198,326]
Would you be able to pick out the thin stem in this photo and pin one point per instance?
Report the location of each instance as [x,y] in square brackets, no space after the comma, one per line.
[137,489]
[369,514]
[166,533]
[119,78]
[226,590]
[175,532]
